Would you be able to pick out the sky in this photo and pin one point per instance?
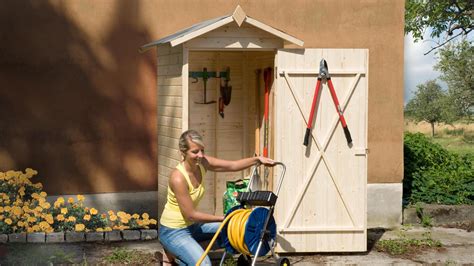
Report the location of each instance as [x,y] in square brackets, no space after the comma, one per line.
[418,67]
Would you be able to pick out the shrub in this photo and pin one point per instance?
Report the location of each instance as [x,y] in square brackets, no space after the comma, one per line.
[24,208]
[435,175]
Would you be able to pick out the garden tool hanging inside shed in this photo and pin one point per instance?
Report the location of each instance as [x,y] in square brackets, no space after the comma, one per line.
[205,75]
[324,74]
[225,90]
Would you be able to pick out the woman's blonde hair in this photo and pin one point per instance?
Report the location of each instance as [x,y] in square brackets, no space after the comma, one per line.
[186,137]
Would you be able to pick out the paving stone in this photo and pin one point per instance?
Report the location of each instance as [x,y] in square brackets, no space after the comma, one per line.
[55,237]
[74,237]
[17,238]
[149,234]
[37,237]
[94,236]
[113,236]
[3,238]
[131,235]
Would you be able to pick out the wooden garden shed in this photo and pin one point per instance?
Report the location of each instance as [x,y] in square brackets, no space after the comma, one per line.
[322,205]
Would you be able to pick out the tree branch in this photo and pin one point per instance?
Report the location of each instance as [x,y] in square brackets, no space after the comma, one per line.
[448,40]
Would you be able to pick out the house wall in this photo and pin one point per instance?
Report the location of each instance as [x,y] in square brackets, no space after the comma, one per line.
[78,103]
[376,25]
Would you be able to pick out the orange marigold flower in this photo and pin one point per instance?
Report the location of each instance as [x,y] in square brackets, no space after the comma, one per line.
[17,211]
[80,198]
[31,219]
[87,217]
[93,211]
[25,208]
[153,221]
[135,216]
[45,205]
[8,221]
[70,200]
[49,219]
[44,225]
[79,227]
[63,210]
[71,219]
[113,218]
[60,217]
[124,220]
[43,194]
[145,215]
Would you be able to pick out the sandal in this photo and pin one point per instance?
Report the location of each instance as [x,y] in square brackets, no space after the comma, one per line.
[164,260]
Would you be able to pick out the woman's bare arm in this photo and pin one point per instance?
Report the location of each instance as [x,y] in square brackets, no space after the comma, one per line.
[219,165]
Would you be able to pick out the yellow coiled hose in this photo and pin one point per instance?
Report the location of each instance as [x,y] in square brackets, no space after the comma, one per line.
[235,232]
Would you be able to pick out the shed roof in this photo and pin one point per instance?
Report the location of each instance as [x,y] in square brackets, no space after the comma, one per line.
[201,28]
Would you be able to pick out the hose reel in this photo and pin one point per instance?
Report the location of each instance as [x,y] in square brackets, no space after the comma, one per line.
[243,231]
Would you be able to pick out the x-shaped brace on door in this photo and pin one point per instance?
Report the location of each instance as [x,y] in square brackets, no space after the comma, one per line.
[321,155]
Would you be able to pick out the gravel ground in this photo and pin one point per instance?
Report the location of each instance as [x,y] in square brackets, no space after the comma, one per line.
[457,248]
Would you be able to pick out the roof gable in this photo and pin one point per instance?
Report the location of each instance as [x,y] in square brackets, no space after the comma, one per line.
[201,28]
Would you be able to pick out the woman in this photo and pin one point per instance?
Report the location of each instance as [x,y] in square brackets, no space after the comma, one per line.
[182,226]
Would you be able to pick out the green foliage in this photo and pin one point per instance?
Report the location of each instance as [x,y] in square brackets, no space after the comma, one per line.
[5,228]
[404,245]
[429,104]
[434,175]
[426,220]
[453,17]
[456,63]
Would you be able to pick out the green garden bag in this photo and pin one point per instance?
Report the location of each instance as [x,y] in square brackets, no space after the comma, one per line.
[232,189]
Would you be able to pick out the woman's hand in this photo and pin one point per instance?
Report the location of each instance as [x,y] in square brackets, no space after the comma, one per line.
[266,161]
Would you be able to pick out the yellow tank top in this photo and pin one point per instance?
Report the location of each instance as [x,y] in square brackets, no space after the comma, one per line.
[171,216]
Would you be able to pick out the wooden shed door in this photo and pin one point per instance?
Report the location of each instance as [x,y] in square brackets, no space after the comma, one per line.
[322,201]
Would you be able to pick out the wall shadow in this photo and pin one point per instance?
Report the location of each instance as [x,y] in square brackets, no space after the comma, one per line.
[78,108]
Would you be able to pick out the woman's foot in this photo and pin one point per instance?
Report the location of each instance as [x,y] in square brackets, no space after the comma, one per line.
[164,258]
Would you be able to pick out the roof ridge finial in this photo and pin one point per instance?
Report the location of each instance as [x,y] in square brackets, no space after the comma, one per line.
[239,15]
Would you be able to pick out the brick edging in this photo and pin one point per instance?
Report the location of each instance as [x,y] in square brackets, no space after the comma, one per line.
[74,237]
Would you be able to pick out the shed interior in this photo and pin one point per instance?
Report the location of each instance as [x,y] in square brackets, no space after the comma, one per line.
[239,133]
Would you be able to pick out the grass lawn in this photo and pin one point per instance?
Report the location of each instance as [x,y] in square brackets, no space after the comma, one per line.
[457,138]
[455,144]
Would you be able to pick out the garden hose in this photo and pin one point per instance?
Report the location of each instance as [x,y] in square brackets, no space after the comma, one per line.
[236,231]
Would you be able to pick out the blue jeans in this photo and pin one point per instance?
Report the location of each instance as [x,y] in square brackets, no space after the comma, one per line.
[184,242]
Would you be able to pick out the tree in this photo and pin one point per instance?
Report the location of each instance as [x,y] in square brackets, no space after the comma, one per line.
[453,17]
[429,104]
[456,63]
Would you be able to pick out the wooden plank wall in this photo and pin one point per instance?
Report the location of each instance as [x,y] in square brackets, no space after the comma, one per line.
[169,91]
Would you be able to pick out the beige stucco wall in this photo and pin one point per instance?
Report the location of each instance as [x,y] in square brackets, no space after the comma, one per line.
[373,24]
[78,102]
